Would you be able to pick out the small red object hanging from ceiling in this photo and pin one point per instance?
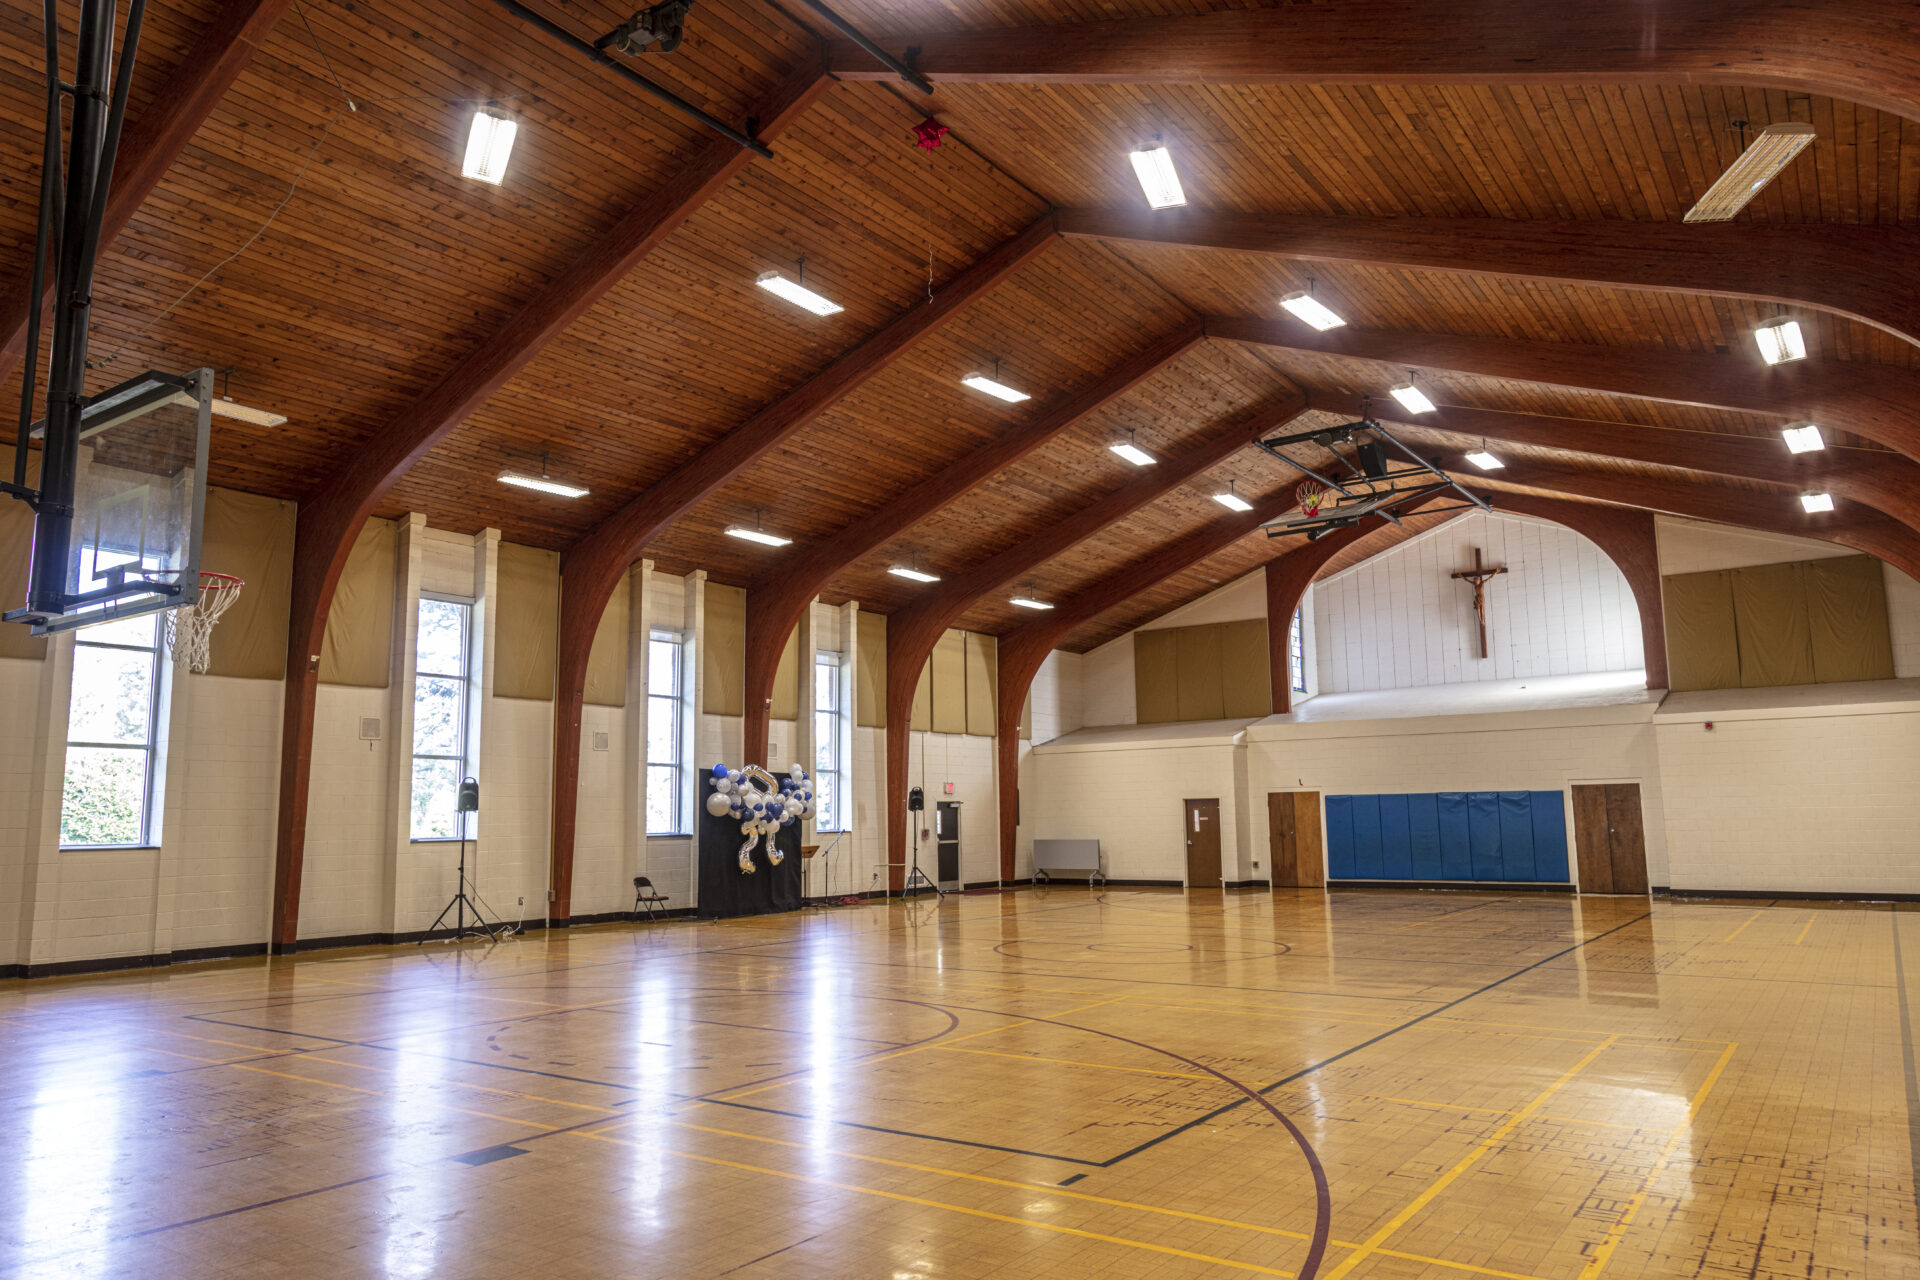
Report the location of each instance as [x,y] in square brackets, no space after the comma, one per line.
[929,133]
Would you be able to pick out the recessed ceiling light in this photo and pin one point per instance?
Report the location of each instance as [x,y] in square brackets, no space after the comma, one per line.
[489,143]
[522,480]
[1803,437]
[1411,398]
[1774,147]
[1133,453]
[1232,501]
[1484,460]
[1816,502]
[798,294]
[1158,179]
[757,534]
[1780,341]
[913,572]
[993,387]
[1304,306]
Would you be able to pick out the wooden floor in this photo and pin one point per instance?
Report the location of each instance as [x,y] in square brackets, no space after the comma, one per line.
[1051,1083]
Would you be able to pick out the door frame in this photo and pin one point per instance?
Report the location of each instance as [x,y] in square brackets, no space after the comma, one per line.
[1266,829]
[1573,835]
[1219,837]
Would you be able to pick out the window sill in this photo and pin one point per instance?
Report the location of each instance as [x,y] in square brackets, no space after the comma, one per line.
[669,835]
[441,839]
[109,848]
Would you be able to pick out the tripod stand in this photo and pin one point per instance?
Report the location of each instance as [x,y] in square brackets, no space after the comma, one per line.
[461,903]
[917,873]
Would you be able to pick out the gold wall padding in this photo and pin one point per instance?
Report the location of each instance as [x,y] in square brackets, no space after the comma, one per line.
[1246,670]
[251,537]
[358,647]
[983,670]
[870,685]
[1156,677]
[723,651]
[1770,618]
[526,635]
[922,719]
[606,684]
[1847,616]
[16,551]
[950,683]
[786,680]
[1703,647]
[1201,688]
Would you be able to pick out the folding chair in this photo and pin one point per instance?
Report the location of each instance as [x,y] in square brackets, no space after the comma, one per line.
[646,899]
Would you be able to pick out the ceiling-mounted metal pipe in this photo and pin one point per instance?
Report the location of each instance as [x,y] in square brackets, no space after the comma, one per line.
[661,92]
[885,59]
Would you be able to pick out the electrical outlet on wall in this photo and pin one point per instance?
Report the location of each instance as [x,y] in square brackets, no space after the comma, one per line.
[520,901]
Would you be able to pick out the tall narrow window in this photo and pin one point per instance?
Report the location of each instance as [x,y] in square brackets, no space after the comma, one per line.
[108,796]
[664,742]
[829,805]
[440,686]
[1296,656]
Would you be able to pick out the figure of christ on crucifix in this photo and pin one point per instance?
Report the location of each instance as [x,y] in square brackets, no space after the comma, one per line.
[1480,575]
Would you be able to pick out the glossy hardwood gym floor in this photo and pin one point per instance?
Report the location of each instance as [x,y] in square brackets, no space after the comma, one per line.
[1051,1083]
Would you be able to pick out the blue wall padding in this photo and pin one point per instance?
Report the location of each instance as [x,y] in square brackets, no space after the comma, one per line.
[1513,836]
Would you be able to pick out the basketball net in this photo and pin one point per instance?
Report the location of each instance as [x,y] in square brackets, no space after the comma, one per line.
[1310,495]
[190,626]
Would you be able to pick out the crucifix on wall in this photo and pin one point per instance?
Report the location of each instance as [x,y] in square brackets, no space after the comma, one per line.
[1480,575]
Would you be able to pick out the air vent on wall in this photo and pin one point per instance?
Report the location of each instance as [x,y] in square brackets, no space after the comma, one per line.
[370,728]
[599,741]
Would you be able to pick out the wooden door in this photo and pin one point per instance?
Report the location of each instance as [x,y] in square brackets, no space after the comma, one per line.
[1609,838]
[1293,836]
[1203,844]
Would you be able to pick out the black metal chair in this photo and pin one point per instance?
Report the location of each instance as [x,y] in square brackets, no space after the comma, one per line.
[647,899]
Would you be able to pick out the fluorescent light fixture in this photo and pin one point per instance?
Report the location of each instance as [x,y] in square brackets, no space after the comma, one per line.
[1816,502]
[1773,148]
[522,480]
[1305,307]
[239,412]
[488,146]
[1232,501]
[1154,168]
[760,536]
[1133,453]
[1780,341]
[913,573]
[1484,460]
[1412,399]
[1028,602]
[998,390]
[798,294]
[1803,437]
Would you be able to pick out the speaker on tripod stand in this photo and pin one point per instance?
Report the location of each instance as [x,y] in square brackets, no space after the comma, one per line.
[917,803]
[467,801]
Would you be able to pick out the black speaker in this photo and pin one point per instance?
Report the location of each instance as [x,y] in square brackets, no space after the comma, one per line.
[1372,456]
[469,801]
[916,800]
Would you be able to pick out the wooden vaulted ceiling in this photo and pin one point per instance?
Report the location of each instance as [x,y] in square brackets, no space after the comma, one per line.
[383,267]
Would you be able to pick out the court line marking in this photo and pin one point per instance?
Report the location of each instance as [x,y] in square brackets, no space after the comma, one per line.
[1743,926]
[1802,937]
[1445,1180]
[1074,1062]
[1604,1251]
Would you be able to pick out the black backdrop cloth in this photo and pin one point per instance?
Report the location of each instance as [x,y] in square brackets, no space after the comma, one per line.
[724,890]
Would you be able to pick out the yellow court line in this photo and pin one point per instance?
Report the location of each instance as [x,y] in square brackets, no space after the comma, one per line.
[232,1044]
[1618,1231]
[1487,1144]
[1073,1062]
[376,1093]
[483,1088]
[1803,931]
[1495,1111]
[1743,926]
[951,1208]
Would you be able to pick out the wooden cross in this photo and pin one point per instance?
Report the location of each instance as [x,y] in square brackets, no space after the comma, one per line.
[1479,576]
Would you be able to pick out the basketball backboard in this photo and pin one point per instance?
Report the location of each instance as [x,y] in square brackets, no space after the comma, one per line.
[140,488]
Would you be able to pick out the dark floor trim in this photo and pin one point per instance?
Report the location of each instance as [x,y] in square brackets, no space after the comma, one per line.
[1803,895]
[1489,886]
[114,964]
[1246,884]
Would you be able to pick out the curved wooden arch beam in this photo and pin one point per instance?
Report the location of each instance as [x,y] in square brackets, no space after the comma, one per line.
[1861,50]
[912,632]
[591,569]
[1887,482]
[150,144]
[1870,274]
[1876,402]
[774,608]
[332,516]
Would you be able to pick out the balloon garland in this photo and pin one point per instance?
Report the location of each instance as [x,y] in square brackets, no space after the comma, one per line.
[762,803]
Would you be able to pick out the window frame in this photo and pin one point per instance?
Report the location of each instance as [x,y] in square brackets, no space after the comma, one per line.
[836,717]
[150,748]
[677,699]
[461,821]
[1297,650]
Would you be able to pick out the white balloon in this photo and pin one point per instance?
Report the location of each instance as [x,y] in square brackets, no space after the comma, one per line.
[718,805]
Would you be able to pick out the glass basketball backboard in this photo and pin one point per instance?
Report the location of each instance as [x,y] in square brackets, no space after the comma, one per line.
[140,487]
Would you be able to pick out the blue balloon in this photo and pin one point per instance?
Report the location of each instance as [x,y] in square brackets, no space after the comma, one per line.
[719,771]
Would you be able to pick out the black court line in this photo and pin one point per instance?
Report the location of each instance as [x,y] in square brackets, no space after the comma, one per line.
[776,1253]
[1906,1055]
[1364,1044]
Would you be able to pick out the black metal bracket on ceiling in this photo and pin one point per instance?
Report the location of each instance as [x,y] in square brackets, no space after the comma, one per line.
[627,73]
[1372,500]
[887,60]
